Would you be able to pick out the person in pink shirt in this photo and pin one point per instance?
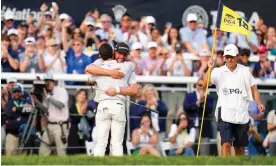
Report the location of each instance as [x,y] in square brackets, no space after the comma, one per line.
[153,63]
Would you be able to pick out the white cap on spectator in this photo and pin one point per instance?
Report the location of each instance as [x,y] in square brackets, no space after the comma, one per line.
[11,79]
[64,16]
[12,32]
[231,50]
[48,13]
[52,42]
[152,44]
[9,15]
[136,46]
[150,20]
[191,17]
[29,41]
[204,52]
[89,22]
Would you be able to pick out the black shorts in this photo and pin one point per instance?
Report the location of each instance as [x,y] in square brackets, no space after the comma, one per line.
[236,133]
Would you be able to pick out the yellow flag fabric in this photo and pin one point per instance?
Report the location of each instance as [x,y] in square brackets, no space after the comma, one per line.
[233,22]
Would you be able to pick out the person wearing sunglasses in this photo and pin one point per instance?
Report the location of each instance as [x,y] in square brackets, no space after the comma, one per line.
[107,32]
[193,106]
[183,135]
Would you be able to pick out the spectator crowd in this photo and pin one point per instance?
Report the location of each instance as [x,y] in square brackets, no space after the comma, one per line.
[57,44]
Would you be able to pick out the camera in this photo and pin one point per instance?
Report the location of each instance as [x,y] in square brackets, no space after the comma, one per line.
[38,86]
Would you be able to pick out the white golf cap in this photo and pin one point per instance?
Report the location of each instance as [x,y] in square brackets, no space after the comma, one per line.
[29,41]
[150,20]
[51,42]
[89,22]
[64,16]
[204,52]
[12,32]
[48,13]
[231,50]
[152,44]
[191,17]
[136,46]
[11,79]
[9,15]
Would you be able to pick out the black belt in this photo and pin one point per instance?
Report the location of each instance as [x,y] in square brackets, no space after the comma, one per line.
[66,122]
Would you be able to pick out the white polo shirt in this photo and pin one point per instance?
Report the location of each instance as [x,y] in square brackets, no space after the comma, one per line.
[105,82]
[234,93]
[56,114]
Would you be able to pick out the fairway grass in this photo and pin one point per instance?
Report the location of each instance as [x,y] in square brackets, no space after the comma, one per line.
[136,160]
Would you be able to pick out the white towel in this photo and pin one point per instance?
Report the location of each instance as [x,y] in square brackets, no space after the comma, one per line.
[248,95]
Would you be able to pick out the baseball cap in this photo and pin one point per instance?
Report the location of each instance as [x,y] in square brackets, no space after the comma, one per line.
[150,20]
[29,41]
[52,42]
[16,87]
[48,13]
[105,50]
[12,32]
[262,49]
[64,16]
[152,44]
[191,17]
[122,48]
[48,76]
[136,46]
[231,50]
[23,24]
[204,52]
[9,15]
[11,79]
[89,22]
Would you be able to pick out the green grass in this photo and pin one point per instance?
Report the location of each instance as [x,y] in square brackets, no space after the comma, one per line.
[135,160]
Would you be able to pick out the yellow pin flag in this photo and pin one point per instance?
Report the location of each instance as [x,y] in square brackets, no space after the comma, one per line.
[231,21]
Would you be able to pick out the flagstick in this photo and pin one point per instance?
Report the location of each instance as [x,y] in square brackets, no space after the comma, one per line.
[206,92]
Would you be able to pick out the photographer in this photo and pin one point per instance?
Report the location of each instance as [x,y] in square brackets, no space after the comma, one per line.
[55,103]
[17,111]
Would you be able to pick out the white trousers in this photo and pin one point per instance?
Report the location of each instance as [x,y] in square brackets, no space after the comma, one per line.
[110,115]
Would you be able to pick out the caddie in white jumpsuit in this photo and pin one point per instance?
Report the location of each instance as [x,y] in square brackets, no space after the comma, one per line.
[111,108]
[236,88]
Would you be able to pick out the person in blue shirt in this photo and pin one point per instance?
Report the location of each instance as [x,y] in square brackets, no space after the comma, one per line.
[193,38]
[243,41]
[255,113]
[76,60]
[107,32]
[9,58]
[255,144]
[220,37]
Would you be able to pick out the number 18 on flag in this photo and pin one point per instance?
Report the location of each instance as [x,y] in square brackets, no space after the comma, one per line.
[230,21]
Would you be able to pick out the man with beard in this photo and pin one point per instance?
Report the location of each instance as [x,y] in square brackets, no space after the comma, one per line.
[111,98]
